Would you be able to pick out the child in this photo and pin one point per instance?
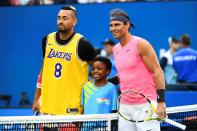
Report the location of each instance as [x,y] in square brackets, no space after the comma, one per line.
[99,96]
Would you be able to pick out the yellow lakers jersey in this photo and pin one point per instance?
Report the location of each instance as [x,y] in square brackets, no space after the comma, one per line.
[62,77]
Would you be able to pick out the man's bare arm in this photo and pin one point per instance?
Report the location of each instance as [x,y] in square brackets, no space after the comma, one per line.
[36,102]
[150,60]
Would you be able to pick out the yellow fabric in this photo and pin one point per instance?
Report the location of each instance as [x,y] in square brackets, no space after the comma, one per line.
[63,76]
[89,90]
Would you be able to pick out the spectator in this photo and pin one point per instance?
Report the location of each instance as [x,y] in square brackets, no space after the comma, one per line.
[23,2]
[24,100]
[65,1]
[108,52]
[6,99]
[15,2]
[47,2]
[185,61]
[167,59]
[4,2]
[98,51]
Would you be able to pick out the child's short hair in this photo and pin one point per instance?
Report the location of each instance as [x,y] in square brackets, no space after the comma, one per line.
[105,61]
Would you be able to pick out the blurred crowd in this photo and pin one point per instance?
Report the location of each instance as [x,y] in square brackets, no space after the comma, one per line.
[179,62]
[49,2]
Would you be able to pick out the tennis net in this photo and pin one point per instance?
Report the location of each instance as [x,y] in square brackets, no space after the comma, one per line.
[186,115]
[98,122]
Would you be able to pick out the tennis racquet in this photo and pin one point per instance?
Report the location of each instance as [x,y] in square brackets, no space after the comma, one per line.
[148,110]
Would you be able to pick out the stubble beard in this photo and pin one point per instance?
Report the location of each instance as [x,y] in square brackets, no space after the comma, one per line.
[62,31]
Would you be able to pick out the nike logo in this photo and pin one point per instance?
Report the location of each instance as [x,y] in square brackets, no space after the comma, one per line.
[158,96]
[113,17]
[127,50]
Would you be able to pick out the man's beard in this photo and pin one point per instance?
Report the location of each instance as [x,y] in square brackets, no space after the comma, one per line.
[63,30]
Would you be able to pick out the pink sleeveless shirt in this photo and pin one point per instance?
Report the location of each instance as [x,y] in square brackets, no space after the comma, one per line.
[133,73]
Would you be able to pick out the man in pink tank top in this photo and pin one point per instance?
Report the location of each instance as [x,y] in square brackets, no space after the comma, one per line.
[138,69]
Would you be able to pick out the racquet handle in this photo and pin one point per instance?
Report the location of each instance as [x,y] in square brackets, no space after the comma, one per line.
[174,123]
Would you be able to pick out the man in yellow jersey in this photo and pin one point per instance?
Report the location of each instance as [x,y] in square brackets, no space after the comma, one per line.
[65,67]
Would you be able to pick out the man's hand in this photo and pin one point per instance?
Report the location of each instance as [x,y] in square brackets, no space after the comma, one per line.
[36,103]
[36,106]
[161,110]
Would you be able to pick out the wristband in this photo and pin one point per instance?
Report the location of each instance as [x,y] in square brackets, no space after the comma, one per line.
[161,95]
[39,82]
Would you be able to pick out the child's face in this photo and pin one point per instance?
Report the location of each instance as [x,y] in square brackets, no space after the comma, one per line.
[99,70]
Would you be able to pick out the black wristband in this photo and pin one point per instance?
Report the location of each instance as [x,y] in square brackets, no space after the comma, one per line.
[161,95]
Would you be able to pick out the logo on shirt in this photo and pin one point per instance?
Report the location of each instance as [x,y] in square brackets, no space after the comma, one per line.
[103,100]
[127,50]
[185,58]
[58,54]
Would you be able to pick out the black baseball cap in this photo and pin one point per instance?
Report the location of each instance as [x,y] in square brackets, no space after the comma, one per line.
[108,42]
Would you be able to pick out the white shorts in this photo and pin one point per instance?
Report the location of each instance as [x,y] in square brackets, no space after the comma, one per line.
[138,113]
